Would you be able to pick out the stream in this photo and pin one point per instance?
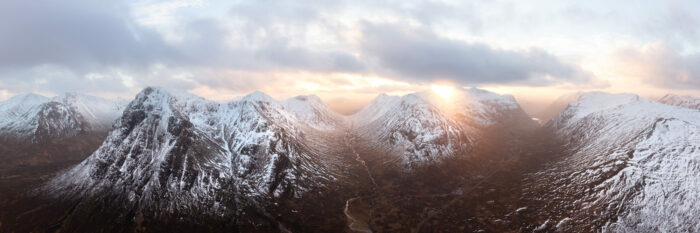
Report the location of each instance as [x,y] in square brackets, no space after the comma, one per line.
[356,223]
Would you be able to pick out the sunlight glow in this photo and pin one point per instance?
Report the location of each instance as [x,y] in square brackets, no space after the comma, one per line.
[443,91]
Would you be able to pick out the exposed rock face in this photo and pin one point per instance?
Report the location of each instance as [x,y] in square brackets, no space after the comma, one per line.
[628,164]
[173,151]
[632,165]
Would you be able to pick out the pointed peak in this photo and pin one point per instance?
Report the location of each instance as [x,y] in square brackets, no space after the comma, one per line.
[312,101]
[25,99]
[417,97]
[258,96]
[152,93]
[383,97]
[28,96]
[70,94]
[167,92]
[486,95]
[151,89]
[32,95]
[73,96]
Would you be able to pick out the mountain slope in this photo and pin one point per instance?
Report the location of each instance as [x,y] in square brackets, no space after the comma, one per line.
[172,151]
[59,131]
[681,101]
[39,119]
[423,128]
[631,165]
[313,111]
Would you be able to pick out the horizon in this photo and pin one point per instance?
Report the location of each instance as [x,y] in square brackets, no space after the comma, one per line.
[348,52]
[534,110]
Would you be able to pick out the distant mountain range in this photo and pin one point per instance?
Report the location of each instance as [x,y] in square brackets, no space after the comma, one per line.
[681,101]
[38,118]
[171,159]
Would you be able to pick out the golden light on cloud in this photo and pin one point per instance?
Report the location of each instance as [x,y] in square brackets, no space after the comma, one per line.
[443,91]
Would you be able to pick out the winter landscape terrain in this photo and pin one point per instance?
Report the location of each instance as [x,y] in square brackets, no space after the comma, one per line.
[170,161]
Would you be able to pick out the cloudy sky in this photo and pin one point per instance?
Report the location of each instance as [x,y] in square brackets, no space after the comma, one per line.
[349,51]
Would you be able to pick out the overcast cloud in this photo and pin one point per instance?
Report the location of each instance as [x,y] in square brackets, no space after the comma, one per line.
[119,47]
[419,55]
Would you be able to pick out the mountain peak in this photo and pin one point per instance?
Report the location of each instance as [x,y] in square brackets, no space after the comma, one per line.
[35,117]
[258,96]
[313,111]
[27,98]
[166,92]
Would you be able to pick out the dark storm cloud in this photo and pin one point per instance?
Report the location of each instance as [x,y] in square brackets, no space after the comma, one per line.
[420,55]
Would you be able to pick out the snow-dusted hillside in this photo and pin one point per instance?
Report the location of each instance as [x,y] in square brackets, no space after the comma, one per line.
[174,151]
[423,128]
[98,112]
[313,111]
[631,165]
[36,118]
[681,101]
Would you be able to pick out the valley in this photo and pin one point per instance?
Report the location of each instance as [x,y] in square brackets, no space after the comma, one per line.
[178,163]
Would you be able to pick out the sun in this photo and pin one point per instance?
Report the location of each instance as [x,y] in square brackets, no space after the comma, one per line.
[443,91]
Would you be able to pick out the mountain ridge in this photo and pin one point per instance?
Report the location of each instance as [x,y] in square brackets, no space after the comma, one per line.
[627,161]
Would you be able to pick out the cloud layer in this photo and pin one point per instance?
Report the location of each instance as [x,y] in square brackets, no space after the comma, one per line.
[661,65]
[420,55]
[338,46]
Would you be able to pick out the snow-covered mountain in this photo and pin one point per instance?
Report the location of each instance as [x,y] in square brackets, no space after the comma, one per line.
[681,101]
[173,151]
[424,128]
[630,165]
[313,111]
[37,118]
[627,164]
